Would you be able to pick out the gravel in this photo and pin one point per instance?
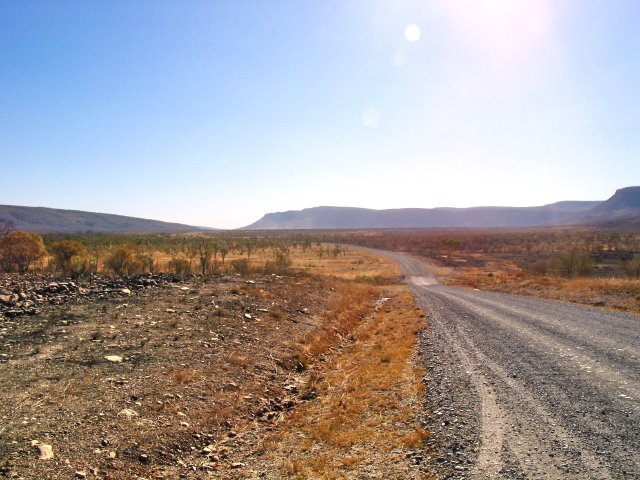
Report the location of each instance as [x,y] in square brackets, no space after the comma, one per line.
[519,387]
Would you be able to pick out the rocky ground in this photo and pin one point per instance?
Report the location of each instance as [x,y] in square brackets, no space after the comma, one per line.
[152,376]
[159,376]
[23,295]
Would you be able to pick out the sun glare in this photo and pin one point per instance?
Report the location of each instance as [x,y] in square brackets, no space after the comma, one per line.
[412,33]
[501,27]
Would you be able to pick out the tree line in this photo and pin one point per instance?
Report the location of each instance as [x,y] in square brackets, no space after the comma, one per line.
[119,254]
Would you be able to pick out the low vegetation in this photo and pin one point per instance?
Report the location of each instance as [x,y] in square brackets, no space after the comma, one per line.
[20,251]
[599,267]
[279,355]
[208,371]
[365,416]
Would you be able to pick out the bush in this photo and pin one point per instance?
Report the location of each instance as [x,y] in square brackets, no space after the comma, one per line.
[145,262]
[179,266]
[280,264]
[71,258]
[241,265]
[631,268]
[572,264]
[124,261]
[20,250]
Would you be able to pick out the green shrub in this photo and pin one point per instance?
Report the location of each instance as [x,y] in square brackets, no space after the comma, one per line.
[573,264]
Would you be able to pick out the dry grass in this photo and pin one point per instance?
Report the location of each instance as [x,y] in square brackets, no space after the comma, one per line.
[349,264]
[620,294]
[365,417]
[199,372]
[324,259]
[350,305]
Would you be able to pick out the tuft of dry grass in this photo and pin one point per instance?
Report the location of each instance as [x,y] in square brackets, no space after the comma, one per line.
[185,376]
[349,306]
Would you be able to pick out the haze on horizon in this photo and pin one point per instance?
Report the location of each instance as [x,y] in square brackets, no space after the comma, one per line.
[214,113]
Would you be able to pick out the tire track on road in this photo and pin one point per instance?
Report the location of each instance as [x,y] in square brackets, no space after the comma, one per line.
[558,383]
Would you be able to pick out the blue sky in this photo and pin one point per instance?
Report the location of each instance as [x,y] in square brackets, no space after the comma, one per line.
[214,113]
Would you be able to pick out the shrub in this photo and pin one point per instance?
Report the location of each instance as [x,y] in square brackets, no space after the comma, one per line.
[179,266]
[572,264]
[71,258]
[124,261]
[241,265]
[20,250]
[146,263]
[631,268]
[280,264]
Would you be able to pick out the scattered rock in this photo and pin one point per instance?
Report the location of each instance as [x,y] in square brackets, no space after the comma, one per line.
[45,452]
[114,358]
[310,394]
[128,413]
[208,449]
[20,299]
[6,299]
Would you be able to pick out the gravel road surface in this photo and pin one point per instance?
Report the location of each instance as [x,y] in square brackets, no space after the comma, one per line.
[527,388]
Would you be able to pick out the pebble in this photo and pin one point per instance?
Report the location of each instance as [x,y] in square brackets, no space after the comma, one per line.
[129,413]
[45,452]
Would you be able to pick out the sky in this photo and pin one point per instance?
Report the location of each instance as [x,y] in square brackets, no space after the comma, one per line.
[214,113]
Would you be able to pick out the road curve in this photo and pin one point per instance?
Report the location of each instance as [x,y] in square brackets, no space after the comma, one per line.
[528,388]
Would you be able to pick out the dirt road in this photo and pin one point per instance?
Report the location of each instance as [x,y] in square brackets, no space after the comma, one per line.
[527,388]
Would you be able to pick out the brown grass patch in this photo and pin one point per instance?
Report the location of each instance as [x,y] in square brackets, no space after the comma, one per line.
[350,305]
[365,416]
[346,262]
[622,294]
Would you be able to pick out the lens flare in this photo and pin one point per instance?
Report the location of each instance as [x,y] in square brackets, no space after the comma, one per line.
[371,117]
[412,33]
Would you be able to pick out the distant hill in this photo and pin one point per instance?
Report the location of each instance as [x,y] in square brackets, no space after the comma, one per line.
[49,220]
[345,217]
[625,204]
